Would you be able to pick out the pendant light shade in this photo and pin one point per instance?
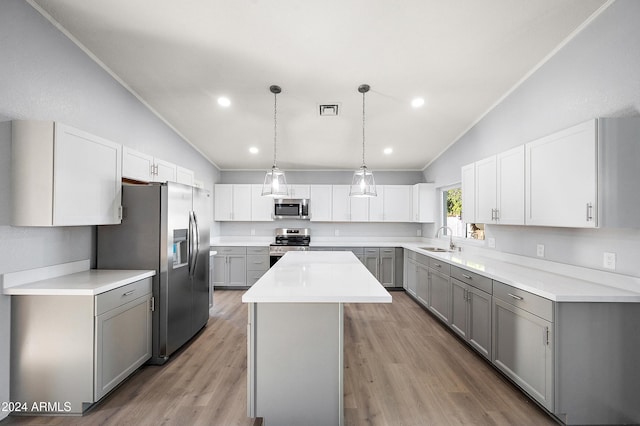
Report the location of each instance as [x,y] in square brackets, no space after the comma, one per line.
[363,184]
[275,183]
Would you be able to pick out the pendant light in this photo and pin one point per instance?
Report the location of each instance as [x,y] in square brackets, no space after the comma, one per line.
[363,184]
[275,183]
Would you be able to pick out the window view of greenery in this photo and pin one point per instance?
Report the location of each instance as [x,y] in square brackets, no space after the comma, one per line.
[453,216]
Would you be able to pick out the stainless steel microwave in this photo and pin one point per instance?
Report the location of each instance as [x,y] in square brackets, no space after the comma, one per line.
[291,209]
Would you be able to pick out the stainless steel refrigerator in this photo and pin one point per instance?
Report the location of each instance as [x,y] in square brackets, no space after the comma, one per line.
[164,227]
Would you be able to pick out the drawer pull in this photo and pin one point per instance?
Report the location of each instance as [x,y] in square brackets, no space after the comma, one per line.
[515,297]
[437,265]
[128,293]
[258,262]
[469,277]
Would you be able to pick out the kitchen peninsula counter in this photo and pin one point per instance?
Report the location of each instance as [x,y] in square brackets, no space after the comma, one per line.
[295,339]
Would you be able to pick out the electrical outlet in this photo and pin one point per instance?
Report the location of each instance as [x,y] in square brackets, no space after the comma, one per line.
[609,260]
[418,232]
[540,250]
[491,242]
[253,232]
[336,232]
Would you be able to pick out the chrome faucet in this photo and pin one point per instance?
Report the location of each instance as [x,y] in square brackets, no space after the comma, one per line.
[449,233]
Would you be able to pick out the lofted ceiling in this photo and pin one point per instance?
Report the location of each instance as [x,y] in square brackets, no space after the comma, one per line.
[460,56]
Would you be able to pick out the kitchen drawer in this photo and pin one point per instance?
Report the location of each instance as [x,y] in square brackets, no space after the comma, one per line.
[230,250]
[387,251]
[440,266]
[119,296]
[478,281]
[257,262]
[524,300]
[316,248]
[253,277]
[369,251]
[355,250]
[258,250]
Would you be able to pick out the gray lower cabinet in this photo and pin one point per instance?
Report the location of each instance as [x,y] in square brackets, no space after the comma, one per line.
[257,263]
[422,283]
[230,266]
[358,251]
[471,309]
[372,261]
[387,271]
[440,295]
[87,346]
[523,341]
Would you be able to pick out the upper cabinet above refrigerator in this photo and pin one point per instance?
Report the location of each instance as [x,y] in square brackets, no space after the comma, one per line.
[61,176]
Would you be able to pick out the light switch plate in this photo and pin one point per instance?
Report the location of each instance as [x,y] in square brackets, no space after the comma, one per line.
[418,232]
[491,242]
[609,260]
[336,232]
[540,250]
[253,232]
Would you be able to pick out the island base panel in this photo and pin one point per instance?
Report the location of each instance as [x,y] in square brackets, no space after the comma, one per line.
[296,363]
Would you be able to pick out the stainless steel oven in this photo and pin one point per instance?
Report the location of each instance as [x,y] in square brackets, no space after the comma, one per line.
[289,239]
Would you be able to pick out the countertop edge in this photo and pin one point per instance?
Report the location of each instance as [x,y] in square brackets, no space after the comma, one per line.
[44,288]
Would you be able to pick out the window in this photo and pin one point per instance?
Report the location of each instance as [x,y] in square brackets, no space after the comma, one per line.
[452,215]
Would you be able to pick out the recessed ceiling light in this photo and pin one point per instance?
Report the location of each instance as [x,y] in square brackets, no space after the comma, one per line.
[417,102]
[253,150]
[223,101]
[388,151]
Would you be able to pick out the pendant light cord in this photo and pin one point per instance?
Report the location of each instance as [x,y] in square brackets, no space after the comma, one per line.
[363,163]
[275,126]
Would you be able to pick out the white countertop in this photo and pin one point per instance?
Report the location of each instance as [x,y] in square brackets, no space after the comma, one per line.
[556,287]
[85,283]
[317,277]
[593,286]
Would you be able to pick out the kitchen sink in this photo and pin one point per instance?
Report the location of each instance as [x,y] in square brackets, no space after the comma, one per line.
[435,249]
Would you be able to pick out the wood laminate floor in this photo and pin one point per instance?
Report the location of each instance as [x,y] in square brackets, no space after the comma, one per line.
[401,368]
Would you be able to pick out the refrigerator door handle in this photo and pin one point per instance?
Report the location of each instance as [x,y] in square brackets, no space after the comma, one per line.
[196,243]
[190,245]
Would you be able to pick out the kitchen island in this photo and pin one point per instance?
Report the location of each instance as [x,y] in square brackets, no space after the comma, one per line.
[295,336]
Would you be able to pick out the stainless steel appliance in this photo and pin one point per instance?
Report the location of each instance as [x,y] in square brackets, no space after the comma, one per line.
[289,239]
[164,227]
[291,209]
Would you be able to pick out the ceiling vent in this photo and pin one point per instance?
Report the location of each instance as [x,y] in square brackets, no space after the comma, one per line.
[328,110]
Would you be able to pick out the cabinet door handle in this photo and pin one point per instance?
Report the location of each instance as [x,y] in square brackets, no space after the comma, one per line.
[128,293]
[515,297]
[545,336]
[469,277]
[589,212]
[497,215]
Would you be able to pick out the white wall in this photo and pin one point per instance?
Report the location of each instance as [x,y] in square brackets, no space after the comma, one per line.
[594,75]
[45,76]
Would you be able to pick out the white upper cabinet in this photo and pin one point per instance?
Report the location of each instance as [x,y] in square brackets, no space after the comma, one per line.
[377,205]
[137,165]
[497,191]
[299,191]
[561,179]
[397,202]
[485,190]
[63,176]
[423,203]
[341,208]
[261,206]
[232,202]
[184,176]
[359,208]
[346,208]
[164,171]
[469,193]
[510,187]
[143,167]
[321,203]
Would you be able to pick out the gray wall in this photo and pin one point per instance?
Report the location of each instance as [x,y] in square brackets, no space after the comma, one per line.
[594,75]
[46,76]
[318,229]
